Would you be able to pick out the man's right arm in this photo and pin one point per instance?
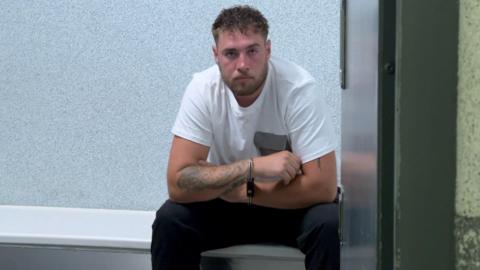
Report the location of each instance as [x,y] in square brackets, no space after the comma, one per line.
[191,181]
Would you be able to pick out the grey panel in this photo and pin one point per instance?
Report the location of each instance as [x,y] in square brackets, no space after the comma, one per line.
[248,264]
[359,135]
[61,258]
[265,257]
[261,256]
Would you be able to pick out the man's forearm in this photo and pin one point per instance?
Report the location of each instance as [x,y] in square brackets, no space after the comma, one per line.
[316,184]
[204,182]
[299,193]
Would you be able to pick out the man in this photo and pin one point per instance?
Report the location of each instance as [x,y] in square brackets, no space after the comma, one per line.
[252,158]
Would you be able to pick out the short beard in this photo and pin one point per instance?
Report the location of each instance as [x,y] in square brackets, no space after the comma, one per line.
[247,90]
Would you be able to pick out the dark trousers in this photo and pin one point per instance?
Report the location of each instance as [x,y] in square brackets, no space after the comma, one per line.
[182,231]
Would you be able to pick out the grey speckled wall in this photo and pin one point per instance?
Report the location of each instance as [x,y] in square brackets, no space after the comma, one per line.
[90,89]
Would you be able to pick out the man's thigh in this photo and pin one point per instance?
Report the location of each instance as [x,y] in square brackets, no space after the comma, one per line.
[214,224]
[220,224]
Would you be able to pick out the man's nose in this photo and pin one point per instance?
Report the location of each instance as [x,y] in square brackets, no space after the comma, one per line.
[242,63]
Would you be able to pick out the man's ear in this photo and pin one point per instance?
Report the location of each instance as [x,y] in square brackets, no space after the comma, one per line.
[268,47]
[215,53]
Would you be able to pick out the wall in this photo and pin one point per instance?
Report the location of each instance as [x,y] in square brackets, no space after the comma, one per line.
[467,220]
[89,90]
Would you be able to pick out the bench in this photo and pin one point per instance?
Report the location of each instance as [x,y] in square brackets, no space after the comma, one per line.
[78,239]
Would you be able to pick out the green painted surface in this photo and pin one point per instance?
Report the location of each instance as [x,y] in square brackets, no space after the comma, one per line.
[467,221]
[425,134]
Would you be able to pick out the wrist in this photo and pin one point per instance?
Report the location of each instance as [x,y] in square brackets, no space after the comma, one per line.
[250,185]
[255,161]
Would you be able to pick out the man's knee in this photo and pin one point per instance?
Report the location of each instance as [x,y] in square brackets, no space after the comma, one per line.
[175,243]
[320,224]
[325,215]
[170,219]
[319,239]
[174,225]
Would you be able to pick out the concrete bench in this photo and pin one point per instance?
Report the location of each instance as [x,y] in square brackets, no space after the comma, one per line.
[261,256]
[78,239]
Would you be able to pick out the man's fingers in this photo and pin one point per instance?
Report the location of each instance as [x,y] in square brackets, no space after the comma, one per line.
[294,159]
[291,172]
[298,164]
[286,176]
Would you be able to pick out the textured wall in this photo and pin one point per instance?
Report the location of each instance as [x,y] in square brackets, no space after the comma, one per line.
[468,138]
[89,90]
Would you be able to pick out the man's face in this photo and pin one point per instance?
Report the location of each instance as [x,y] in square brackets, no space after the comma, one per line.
[243,60]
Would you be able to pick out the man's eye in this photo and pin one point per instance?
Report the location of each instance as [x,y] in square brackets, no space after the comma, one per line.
[231,55]
[252,51]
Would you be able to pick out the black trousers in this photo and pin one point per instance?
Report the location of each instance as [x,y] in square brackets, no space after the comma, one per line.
[182,231]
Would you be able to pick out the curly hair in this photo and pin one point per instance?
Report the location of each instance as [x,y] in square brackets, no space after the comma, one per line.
[242,18]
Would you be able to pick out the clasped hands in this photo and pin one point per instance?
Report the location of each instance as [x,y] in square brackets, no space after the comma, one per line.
[268,172]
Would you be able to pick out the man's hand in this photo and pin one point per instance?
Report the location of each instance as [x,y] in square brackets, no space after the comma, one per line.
[283,165]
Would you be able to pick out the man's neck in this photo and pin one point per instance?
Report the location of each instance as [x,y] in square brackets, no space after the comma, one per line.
[245,101]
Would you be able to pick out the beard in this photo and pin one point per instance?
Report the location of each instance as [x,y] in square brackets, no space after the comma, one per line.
[244,87]
[247,86]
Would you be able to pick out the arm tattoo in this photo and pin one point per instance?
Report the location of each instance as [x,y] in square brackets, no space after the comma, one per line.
[234,185]
[319,164]
[196,178]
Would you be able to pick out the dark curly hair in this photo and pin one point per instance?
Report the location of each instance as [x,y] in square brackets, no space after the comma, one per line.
[242,18]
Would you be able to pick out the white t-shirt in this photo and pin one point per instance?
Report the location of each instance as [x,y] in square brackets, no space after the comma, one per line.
[288,114]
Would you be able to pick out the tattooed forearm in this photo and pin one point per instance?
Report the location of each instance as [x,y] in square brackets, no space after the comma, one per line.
[234,185]
[198,178]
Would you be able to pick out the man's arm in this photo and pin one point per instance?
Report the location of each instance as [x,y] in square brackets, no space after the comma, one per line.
[190,181]
[317,184]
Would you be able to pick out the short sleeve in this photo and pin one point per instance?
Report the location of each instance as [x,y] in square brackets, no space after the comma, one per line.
[308,123]
[193,119]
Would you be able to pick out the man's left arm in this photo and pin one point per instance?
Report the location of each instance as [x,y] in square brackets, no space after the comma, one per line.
[317,184]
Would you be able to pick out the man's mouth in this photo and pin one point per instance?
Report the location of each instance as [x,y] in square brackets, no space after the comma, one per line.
[242,78]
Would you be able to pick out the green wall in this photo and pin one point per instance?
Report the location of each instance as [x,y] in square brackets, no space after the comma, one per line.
[467,219]
[425,134]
